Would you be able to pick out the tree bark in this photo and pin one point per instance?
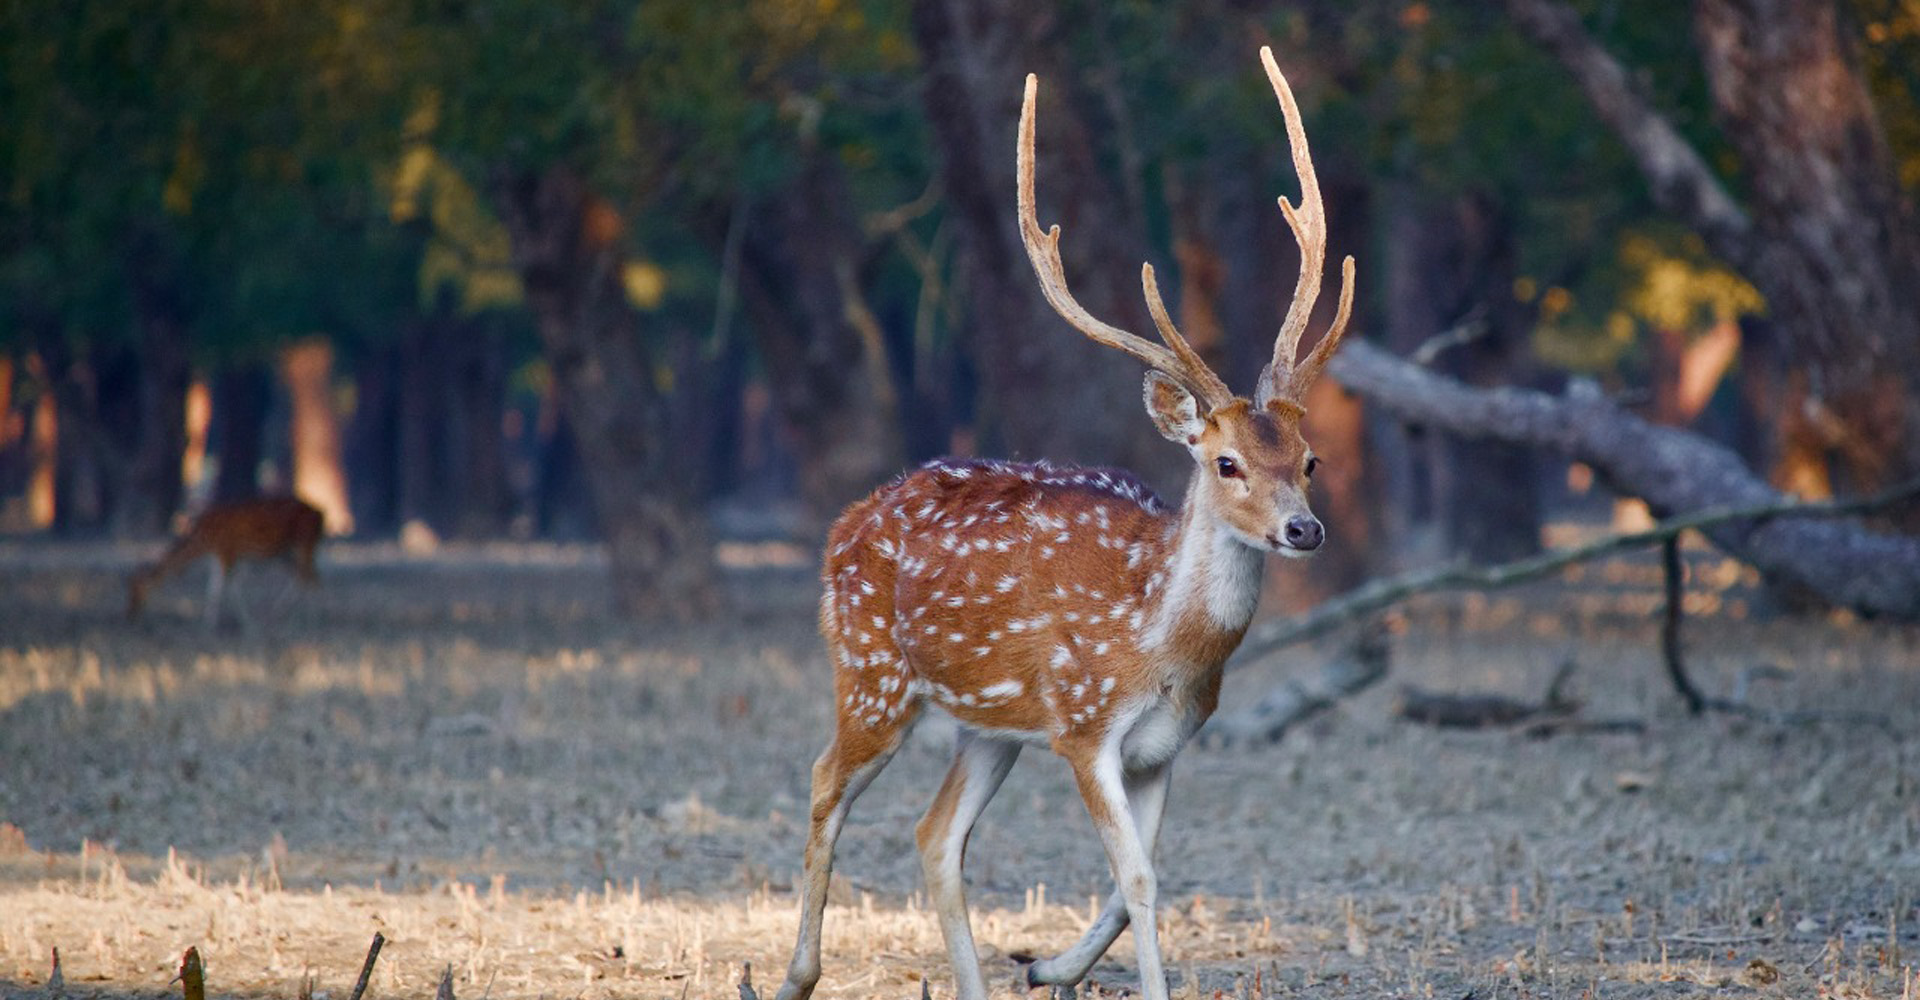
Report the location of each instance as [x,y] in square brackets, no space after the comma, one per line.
[566,248]
[1828,236]
[825,352]
[1836,249]
[1046,391]
[420,412]
[319,477]
[373,450]
[1450,266]
[153,489]
[1672,470]
[240,398]
[476,408]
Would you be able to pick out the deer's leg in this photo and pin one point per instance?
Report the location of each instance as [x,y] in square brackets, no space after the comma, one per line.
[839,776]
[1103,787]
[216,589]
[303,563]
[1147,798]
[979,766]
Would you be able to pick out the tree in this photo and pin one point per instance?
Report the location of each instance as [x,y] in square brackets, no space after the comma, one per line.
[1044,392]
[1824,229]
[1674,471]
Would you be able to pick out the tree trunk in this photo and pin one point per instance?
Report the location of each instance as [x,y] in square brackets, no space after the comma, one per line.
[319,477]
[1450,269]
[477,405]
[1836,245]
[1674,471]
[152,491]
[825,352]
[241,395]
[1828,237]
[420,472]
[562,506]
[373,449]
[1046,391]
[566,248]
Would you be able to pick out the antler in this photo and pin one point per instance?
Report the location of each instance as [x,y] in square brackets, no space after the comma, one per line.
[1178,359]
[1283,379]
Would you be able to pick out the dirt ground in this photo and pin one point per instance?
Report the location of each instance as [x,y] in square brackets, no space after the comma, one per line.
[467,754]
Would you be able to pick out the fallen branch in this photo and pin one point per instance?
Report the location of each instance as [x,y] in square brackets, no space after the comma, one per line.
[1378,595]
[1296,700]
[1674,471]
[1483,711]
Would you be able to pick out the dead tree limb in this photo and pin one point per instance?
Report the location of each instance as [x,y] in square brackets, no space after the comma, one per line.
[1487,711]
[1674,471]
[1295,700]
[1674,576]
[1378,595]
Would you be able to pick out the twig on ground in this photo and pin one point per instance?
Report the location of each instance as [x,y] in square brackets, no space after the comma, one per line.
[366,970]
[1554,725]
[1716,940]
[1465,711]
[1483,711]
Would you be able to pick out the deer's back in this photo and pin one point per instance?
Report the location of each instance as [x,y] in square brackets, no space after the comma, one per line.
[979,584]
[260,528]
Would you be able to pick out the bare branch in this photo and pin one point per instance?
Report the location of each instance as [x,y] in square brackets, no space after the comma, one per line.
[1378,595]
[1679,179]
[1296,699]
[1672,470]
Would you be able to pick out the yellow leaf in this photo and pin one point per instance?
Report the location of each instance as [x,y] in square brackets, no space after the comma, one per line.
[645,282]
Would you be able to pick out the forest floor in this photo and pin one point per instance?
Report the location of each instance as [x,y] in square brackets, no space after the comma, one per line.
[466,753]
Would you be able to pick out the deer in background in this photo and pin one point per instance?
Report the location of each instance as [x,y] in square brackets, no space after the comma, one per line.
[1064,607]
[265,528]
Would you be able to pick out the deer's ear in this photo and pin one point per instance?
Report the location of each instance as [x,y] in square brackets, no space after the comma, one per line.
[1173,409]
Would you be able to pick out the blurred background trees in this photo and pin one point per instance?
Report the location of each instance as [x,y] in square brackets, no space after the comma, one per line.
[661,272]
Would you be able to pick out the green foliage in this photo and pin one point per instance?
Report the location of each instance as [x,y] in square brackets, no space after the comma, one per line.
[292,167]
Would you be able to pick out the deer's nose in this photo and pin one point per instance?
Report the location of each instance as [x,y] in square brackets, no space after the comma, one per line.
[1304,533]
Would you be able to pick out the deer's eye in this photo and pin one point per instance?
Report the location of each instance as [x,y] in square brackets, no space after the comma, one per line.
[1228,470]
[1312,464]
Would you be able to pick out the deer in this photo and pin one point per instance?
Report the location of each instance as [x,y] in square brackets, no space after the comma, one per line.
[1067,607]
[259,528]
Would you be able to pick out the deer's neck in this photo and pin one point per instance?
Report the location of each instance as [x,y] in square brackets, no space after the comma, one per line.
[1208,585]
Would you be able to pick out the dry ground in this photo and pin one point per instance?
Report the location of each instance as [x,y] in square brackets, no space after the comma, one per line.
[466,754]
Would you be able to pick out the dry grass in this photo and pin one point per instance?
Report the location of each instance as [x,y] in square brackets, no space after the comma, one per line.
[465,754]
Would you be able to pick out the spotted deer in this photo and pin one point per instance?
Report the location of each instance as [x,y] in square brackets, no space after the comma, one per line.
[1067,607]
[262,528]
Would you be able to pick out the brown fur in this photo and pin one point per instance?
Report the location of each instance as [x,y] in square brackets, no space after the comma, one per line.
[264,528]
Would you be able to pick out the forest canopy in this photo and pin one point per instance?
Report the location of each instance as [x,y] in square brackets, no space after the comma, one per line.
[656,271]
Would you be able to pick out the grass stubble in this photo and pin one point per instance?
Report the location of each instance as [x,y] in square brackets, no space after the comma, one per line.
[531,798]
